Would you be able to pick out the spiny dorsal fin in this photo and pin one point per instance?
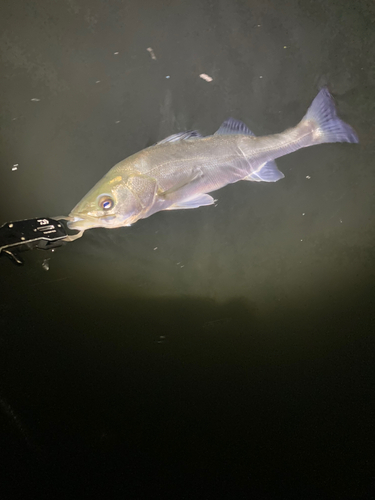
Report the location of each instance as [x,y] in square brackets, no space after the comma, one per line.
[181,136]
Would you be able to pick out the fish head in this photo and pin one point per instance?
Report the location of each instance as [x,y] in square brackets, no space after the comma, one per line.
[110,203]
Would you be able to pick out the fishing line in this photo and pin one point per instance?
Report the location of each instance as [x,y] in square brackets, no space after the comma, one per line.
[16,423]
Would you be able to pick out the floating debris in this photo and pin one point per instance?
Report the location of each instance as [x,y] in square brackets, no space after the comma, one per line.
[97,81]
[14,168]
[115,53]
[118,121]
[35,99]
[308,177]
[155,248]
[167,76]
[45,264]
[206,77]
[151,53]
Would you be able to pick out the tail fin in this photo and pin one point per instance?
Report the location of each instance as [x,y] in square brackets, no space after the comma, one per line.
[329,127]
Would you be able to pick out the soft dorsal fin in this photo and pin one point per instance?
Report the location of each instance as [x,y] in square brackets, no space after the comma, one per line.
[181,136]
[233,126]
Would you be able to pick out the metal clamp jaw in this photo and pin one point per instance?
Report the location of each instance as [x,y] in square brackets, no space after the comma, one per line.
[29,234]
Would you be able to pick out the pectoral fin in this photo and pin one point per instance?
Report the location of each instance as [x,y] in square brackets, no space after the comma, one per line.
[200,200]
[181,189]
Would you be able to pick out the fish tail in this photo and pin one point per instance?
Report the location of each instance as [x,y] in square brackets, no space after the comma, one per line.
[327,126]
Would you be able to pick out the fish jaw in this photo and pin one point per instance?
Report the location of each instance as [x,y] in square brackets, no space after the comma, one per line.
[82,224]
[110,222]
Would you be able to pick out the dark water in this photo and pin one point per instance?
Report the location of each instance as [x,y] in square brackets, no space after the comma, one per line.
[225,352]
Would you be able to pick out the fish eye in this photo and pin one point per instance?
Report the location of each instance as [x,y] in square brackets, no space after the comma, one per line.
[105,202]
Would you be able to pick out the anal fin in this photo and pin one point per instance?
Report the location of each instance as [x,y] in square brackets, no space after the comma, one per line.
[268,172]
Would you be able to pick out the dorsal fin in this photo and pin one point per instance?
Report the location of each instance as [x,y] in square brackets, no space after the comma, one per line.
[233,126]
[181,136]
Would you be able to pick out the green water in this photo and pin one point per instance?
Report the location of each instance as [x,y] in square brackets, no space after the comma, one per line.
[227,350]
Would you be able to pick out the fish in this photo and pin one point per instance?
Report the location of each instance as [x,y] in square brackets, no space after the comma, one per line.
[181,170]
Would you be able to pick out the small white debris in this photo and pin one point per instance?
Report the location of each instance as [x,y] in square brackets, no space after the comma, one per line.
[151,53]
[178,263]
[261,77]
[182,266]
[308,177]
[97,81]
[15,165]
[118,121]
[115,53]
[162,337]
[155,248]
[285,47]
[45,264]
[258,25]
[14,168]
[303,213]
[205,77]
[167,76]
[340,221]
[35,99]
[301,240]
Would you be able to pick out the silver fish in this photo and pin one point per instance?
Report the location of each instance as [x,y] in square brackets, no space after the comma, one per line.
[179,171]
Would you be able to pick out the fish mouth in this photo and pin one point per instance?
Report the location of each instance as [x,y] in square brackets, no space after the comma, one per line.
[79,224]
[82,223]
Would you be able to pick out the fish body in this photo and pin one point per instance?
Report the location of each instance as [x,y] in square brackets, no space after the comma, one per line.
[180,171]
